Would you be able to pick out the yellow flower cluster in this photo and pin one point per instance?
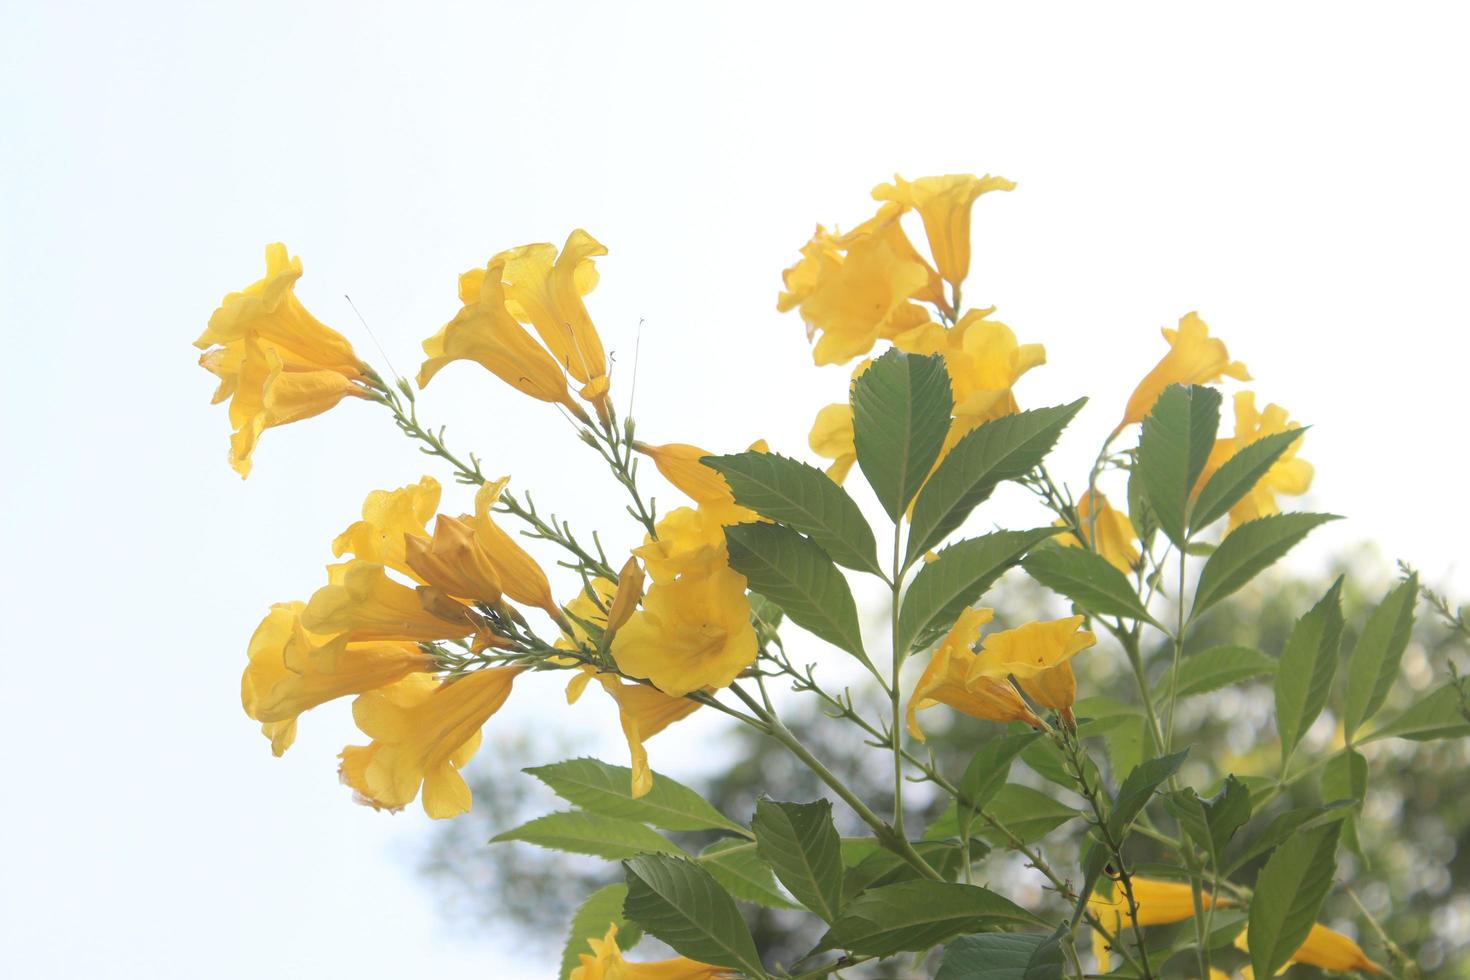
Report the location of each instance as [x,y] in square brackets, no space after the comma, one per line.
[983,682]
[1166,902]
[534,285]
[361,634]
[858,288]
[276,363]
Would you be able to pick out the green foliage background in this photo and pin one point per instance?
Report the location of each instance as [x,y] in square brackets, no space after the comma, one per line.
[1413,872]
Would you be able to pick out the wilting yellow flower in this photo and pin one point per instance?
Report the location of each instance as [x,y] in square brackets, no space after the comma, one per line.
[292,670]
[832,438]
[954,678]
[362,601]
[280,363]
[643,712]
[1109,531]
[1038,656]
[545,290]
[606,962]
[1326,949]
[944,204]
[857,288]
[485,331]
[1288,475]
[388,518]
[1159,903]
[984,362]
[423,734]
[519,575]
[454,561]
[691,633]
[690,542]
[680,464]
[1194,358]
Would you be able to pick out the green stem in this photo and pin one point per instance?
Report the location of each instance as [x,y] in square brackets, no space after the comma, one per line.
[886,835]
[894,685]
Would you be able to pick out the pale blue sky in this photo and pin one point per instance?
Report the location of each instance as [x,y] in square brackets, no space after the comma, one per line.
[1294,173]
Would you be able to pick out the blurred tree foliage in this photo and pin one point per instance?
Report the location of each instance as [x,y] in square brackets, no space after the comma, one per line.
[1411,869]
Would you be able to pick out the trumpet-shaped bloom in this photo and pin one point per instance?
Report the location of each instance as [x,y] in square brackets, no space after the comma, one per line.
[1108,531]
[1194,358]
[691,633]
[606,962]
[1159,903]
[362,601]
[1326,949]
[690,542]
[269,311]
[856,289]
[954,678]
[292,670]
[275,361]
[423,734]
[545,290]
[1038,656]
[454,561]
[1288,475]
[832,438]
[389,517]
[485,331]
[680,464]
[944,204]
[519,575]
[267,388]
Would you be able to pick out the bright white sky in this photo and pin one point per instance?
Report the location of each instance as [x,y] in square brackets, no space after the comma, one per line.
[1294,172]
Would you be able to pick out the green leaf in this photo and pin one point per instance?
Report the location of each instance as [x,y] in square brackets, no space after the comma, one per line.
[1304,678]
[1345,777]
[1088,579]
[901,407]
[1442,714]
[940,848]
[1284,825]
[1002,449]
[679,902]
[957,577]
[1137,787]
[1140,514]
[580,832]
[989,769]
[1128,744]
[1238,474]
[1209,670]
[801,845]
[765,611]
[915,915]
[737,866]
[1002,956]
[602,908]
[601,788]
[1177,438]
[1288,895]
[795,574]
[1375,660]
[1249,550]
[1028,813]
[805,499]
[1211,823]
